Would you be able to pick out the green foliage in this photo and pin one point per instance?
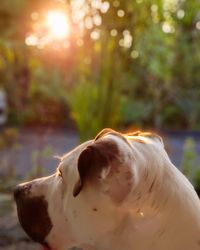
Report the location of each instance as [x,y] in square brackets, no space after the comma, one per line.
[135,111]
[45,97]
[93,107]
[83,102]
[197,178]
[9,138]
[95,97]
[190,162]
[6,204]
[139,64]
[38,157]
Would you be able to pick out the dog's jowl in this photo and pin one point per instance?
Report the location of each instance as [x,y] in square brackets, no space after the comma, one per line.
[116,192]
[33,213]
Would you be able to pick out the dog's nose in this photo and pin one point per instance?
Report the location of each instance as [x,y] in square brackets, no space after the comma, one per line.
[17,192]
[20,190]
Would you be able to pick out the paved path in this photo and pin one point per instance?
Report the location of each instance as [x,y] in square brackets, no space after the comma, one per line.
[37,148]
[33,145]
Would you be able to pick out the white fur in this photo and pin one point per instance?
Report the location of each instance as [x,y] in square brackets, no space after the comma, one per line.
[161,211]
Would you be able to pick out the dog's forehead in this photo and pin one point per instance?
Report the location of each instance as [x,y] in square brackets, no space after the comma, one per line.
[139,136]
[73,155]
[119,139]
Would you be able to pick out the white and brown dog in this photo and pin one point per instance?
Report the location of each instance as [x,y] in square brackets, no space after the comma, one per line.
[116,192]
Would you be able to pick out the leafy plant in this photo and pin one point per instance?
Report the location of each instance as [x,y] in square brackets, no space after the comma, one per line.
[9,138]
[38,157]
[143,52]
[190,163]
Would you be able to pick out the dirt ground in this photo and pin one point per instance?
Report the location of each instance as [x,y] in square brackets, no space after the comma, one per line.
[21,246]
[12,236]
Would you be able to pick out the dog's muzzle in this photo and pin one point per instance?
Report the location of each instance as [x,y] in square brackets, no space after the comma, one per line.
[32,213]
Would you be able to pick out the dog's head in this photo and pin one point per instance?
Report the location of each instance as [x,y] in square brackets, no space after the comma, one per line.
[79,202]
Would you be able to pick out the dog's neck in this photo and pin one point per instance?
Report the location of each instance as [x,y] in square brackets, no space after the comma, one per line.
[153,193]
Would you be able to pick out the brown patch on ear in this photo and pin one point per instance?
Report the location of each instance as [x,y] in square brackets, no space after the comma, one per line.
[93,160]
[109,131]
[77,188]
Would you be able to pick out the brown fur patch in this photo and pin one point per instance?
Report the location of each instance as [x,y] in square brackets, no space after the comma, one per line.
[33,216]
[108,131]
[93,160]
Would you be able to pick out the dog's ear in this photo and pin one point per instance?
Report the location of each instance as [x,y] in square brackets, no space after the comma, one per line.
[104,132]
[93,160]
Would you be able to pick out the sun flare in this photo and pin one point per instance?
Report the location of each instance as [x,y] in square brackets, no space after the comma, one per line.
[58,24]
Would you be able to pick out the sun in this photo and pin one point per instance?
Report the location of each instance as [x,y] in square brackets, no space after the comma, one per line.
[57,24]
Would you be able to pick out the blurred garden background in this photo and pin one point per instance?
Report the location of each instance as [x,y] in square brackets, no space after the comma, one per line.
[69,68]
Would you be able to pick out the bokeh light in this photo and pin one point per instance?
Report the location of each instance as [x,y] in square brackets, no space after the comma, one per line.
[57,24]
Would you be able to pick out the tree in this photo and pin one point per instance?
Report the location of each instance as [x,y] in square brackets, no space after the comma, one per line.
[123,63]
